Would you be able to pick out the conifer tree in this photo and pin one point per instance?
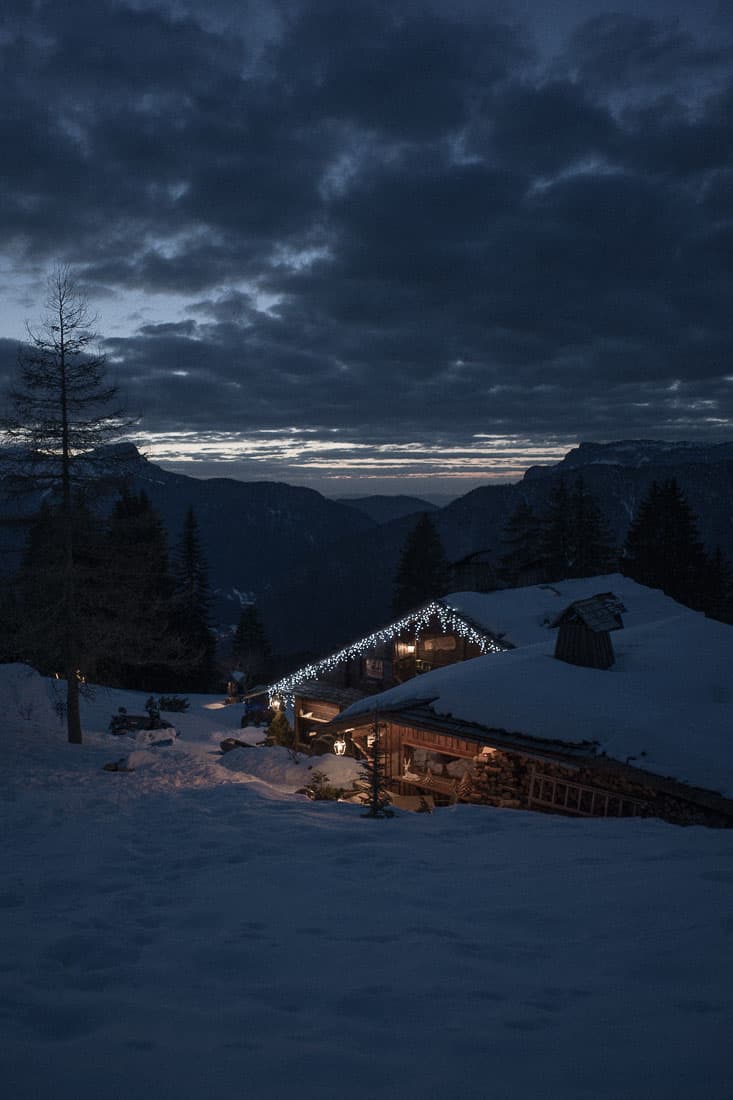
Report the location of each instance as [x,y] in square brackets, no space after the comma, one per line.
[591,545]
[279,731]
[523,539]
[251,648]
[557,543]
[663,549]
[192,603]
[576,542]
[40,605]
[148,651]
[375,796]
[422,573]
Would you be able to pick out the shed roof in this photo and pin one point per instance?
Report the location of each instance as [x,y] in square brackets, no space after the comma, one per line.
[599,613]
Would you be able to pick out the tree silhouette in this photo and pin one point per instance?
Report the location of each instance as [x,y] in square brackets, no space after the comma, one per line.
[663,549]
[591,545]
[39,591]
[576,540]
[523,539]
[61,410]
[557,542]
[251,648]
[191,605]
[375,796]
[146,648]
[422,573]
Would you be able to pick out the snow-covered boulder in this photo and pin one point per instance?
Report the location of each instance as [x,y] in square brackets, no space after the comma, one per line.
[284,770]
[27,700]
[165,736]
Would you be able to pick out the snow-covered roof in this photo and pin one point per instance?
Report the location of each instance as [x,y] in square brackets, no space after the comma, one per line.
[416,621]
[666,703]
[522,616]
[493,620]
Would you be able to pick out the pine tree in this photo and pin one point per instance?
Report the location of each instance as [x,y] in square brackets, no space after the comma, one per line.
[192,602]
[663,549]
[375,796]
[147,650]
[577,542]
[251,648]
[40,607]
[279,731]
[557,542]
[422,573]
[591,545]
[523,539]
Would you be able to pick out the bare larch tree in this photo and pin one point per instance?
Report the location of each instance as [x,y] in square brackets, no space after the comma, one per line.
[61,408]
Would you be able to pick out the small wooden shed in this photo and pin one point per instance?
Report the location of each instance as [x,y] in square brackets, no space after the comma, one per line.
[584,631]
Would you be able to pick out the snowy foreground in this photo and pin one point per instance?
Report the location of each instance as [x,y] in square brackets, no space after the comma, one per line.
[195,929]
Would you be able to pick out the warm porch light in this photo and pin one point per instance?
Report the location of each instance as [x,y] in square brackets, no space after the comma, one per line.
[339,746]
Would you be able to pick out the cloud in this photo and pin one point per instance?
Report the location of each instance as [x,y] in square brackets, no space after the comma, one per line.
[401,223]
[615,51]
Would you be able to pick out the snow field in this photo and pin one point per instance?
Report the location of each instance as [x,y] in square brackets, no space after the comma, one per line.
[190,929]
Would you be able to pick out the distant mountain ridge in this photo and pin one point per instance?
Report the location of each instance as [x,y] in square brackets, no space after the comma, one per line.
[383,509]
[322,570]
[349,592]
[638,453]
[255,535]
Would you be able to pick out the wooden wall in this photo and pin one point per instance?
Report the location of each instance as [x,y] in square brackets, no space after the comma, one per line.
[513,780]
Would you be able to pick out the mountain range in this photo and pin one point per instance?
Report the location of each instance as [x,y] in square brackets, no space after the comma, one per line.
[347,593]
[322,570]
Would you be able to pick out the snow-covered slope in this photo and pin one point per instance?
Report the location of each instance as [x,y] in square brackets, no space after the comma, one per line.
[187,931]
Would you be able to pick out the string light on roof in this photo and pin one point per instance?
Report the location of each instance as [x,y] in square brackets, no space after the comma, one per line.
[447,617]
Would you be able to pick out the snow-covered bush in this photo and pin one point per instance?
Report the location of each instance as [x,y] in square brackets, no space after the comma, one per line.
[320,789]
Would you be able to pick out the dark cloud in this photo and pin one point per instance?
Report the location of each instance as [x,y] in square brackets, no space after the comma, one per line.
[402,221]
[616,51]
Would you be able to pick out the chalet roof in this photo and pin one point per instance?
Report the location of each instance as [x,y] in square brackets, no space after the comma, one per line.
[505,619]
[414,622]
[324,692]
[599,613]
[664,707]
[525,616]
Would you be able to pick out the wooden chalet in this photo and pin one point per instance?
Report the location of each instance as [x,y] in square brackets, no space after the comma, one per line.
[429,638]
[580,736]
[316,704]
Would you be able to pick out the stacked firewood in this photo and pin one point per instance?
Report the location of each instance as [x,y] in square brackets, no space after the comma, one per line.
[501,779]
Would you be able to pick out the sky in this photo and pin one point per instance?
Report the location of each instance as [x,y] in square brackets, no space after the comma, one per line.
[380,247]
